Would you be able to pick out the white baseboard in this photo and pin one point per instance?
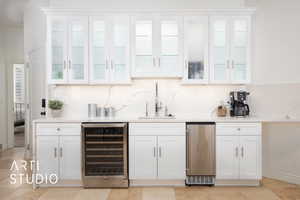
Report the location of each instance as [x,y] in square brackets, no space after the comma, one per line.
[139,183]
[282,176]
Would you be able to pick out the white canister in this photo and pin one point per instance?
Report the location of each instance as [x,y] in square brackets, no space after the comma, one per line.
[92,110]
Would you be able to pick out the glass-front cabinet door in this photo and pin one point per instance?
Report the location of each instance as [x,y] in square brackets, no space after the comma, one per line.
[99,50]
[220,50]
[240,59]
[195,49]
[170,45]
[120,52]
[144,59]
[78,50]
[57,50]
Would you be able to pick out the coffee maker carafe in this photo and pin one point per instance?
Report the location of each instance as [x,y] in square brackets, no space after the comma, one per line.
[238,104]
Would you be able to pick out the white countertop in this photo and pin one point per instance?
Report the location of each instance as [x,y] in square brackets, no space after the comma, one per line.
[175,120]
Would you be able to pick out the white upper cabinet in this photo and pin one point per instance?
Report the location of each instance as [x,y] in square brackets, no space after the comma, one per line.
[99,51]
[195,49]
[78,50]
[120,50]
[68,50]
[113,48]
[157,44]
[230,49]
[57,50]
[110,50]
[170,47]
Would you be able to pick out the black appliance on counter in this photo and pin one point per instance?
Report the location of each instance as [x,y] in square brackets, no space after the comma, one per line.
[238,104]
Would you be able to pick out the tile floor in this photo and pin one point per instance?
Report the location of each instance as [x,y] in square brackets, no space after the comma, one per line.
[271,189]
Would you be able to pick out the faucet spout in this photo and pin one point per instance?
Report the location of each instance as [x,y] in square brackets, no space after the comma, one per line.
[158,105]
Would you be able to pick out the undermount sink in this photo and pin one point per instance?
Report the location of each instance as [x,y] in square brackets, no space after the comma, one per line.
[157,117]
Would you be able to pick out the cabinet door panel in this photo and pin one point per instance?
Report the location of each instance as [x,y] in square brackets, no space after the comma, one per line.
[47,155]
[227,157]
[142,157]
[250,159]
[196,49]
[78,50]
[240,29]
[143,54]
[120,49]
[171,157]
[219,49]
[70,157]
[99,69]
[58,50]
[169,43]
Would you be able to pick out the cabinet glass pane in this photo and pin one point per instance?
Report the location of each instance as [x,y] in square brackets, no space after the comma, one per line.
[239,49]
[219,50]
[169,45]
[143,48]
[99,51]
[143,63]
[195,45]
[120,50]
[77,51]
[57,42]
[220,72]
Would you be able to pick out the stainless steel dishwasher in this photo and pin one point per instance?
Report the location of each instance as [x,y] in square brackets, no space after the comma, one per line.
[201,156]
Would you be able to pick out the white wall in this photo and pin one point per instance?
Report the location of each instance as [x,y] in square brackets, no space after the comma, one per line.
[3,111]
[34,50]
[146,4]
[12,46]
[183,101]
[281,151]
[277,44]
[276,48]
[276,84]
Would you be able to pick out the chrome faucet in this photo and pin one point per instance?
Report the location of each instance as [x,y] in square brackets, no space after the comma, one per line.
[158,104]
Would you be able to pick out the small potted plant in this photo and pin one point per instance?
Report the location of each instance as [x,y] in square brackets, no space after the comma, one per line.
[56,107]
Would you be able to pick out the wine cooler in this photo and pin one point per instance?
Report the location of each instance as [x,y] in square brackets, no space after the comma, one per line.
[104,155]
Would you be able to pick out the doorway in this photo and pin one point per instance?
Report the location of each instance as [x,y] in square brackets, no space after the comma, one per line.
[19,104]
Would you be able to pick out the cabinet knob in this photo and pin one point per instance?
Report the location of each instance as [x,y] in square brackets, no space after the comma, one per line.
[58,129]
[238,129]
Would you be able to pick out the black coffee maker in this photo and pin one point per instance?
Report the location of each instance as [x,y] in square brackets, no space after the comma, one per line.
[238,104]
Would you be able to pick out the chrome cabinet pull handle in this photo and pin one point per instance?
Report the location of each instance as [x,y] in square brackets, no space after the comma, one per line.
[160,152]
[65,64]
[55,152]
[70,64]
[61,152]
[242,152]
[236,152]
[232,64]
[112,64]
[186,64]
[158,62]
[154,152]
[228,64]
[106,63]
[154,64]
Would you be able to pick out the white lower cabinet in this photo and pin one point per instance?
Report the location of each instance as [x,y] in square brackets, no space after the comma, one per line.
[47,154]
[238,151]
[58,150]
[171,157]
[143,156]
[69,154]
[227,158]
[250,163]
[156,155]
